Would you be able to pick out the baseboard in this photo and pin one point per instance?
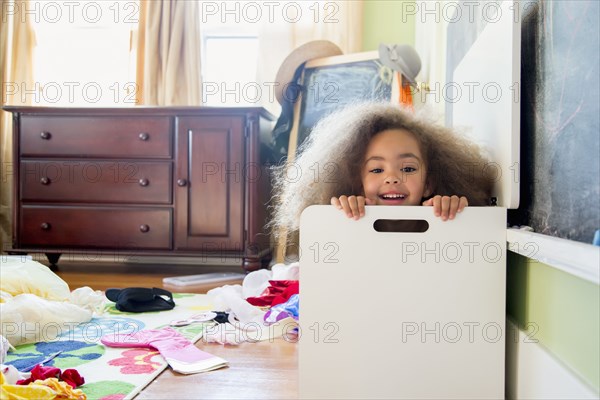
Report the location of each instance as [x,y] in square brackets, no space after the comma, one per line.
[532,372]
[126,259]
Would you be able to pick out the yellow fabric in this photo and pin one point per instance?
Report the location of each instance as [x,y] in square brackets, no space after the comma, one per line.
[19,276]
[16,54]
[18,392]
[168,53]
[63,390]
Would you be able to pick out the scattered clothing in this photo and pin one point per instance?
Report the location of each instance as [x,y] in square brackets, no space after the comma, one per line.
[234,334]
[290,308]
[20,275]
[138,299]
[229,299]
[279,292]
[4,347]
[17,392]
[24,318]
[12,375]
[63,390]
[179,352]
[70,376]
[257,281]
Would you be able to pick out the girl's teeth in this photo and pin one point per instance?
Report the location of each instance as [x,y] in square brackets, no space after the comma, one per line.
[393,196]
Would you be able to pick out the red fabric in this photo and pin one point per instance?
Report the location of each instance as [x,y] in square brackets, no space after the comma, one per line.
[279,292]
[70,376]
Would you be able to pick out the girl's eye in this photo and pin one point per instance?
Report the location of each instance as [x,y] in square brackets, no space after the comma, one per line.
[408,169]
[376,170]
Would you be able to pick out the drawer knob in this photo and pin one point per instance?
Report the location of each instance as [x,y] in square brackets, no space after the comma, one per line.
[181,182]
[45,180]
[144,228]
[45,226]
[144,182]
[45,135]
[144,136]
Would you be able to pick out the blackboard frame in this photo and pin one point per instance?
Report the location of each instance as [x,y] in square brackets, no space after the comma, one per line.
[348,60]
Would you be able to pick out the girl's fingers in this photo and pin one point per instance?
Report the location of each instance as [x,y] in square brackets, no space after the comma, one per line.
[354,207]
[436,202]
[336,203]
[463,203]
[361,205]
[445,207]
[454,203]
[345,206]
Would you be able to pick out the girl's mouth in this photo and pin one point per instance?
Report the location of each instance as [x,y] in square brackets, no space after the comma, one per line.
[392,196]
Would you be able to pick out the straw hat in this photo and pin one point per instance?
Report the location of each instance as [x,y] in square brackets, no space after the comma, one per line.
[307,51]
[403,58]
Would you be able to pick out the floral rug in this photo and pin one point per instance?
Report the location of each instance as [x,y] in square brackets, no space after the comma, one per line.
[112,373]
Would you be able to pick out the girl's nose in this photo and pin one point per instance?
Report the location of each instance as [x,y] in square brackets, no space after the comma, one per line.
[392,179]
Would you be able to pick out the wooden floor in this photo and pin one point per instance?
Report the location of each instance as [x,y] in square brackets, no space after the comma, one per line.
[102,275]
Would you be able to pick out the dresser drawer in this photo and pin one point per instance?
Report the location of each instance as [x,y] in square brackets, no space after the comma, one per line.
[103,136]
[96,181]
[115,228]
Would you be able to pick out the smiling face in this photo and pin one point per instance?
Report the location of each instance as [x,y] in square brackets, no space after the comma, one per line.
[394,171]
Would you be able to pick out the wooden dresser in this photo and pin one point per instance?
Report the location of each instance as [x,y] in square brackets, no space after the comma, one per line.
[149,180]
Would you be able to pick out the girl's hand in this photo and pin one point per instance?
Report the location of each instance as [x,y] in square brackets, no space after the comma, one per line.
[353,206]
[446,207]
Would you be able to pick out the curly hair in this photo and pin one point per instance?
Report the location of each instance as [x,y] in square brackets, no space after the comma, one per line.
[329,162]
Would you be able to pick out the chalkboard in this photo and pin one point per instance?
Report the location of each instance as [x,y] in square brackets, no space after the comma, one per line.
[559,165]
[331,83]
[560,107]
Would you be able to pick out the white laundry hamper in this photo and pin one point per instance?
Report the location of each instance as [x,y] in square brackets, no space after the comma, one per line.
[402,314]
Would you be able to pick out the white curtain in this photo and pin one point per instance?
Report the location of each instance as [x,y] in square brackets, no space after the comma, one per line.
[16,54]
[337,21]
[168,53]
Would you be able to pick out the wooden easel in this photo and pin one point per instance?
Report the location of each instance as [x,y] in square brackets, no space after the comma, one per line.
[282,244]
[280,250]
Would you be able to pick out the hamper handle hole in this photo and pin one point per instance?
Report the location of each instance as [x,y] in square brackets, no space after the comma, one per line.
[401,225]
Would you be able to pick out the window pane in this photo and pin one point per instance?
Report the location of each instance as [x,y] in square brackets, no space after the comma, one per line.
[82,55]
[229,71]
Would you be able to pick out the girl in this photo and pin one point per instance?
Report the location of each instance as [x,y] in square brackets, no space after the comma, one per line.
[380,154]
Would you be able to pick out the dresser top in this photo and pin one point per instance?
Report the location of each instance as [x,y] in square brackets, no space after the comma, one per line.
[140,110]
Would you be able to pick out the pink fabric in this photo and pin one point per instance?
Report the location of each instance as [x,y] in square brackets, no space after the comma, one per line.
[180,353]
[168,342]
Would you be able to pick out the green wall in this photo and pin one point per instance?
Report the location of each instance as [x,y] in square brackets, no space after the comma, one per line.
[390,22]
[558,309]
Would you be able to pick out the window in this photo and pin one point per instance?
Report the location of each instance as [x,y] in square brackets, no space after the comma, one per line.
[82,56]
[229,70]
[229,63]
